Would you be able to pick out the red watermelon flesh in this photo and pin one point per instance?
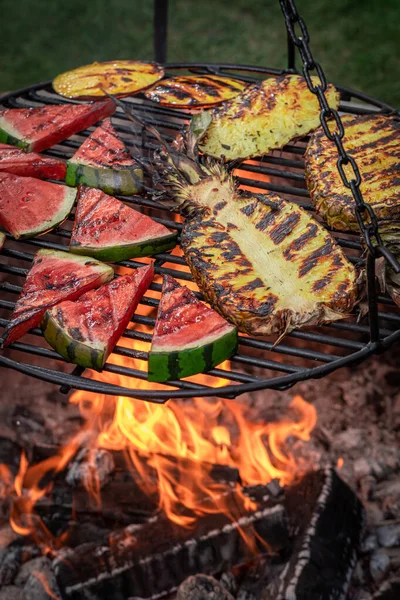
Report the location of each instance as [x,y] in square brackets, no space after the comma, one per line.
[183,320]
[87,330]
[35,129]
[53,277]
[29,207]
[110,230]
[103,148]
[15,160]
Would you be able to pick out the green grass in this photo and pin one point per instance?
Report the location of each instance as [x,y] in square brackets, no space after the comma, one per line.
[356,42]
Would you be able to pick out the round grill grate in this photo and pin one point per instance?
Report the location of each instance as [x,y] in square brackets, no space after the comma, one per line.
[301,355]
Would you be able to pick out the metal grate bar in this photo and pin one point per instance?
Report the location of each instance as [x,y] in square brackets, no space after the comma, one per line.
[325,348]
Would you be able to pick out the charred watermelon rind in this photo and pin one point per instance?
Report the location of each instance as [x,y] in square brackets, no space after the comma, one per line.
[125,181]
[176,364]
[148,247]
[69,348]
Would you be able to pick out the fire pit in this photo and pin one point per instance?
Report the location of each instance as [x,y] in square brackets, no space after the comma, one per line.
[149,501]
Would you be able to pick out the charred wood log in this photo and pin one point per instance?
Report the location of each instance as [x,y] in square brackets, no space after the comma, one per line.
[121,498]
[155,557]
[327,519]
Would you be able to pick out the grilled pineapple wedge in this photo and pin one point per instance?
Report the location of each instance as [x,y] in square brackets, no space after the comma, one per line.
[262,263]
[374,142]
[266,116]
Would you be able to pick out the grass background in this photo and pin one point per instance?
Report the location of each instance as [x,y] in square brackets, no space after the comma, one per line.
[356,41]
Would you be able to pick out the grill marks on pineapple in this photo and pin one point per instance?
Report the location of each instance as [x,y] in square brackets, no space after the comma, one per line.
[284,229]
[267,268]
[267,115]
[374,142]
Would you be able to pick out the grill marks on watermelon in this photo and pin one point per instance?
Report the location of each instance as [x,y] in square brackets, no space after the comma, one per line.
[86,331]
[36,129]
[53,277]
[29,207]
[189,337]
[16,161]
[103,162]
[109,230]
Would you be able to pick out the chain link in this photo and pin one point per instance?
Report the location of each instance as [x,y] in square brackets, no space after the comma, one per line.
[365,215]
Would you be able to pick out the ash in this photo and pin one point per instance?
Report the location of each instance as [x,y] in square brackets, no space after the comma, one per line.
[358,431]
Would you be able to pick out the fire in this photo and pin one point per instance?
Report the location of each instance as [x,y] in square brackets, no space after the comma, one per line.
[42,578]
[249,175]
[178,442]
[340,462]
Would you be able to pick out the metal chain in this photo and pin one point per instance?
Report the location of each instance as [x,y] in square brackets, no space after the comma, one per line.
[364,212]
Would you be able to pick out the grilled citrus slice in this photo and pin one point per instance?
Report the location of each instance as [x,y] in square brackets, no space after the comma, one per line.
[266,116]
[195,90]
[117,77]
[374,142]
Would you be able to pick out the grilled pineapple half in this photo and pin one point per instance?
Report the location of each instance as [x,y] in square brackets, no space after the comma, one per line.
[267,115]
[262,263]
[374,142]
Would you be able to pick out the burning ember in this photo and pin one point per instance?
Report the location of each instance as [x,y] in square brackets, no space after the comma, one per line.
[180,443]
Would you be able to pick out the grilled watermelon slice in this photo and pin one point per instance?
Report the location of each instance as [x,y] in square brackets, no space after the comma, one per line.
[195,90]
[36,129]
[267,115]
[109,230]
[86,331]
[189,337]
[16,161]
[29,207]
[103,162]
[53,277]
[2,239]
[117,77]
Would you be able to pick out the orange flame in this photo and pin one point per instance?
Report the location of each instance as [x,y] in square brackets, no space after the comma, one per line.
[179,443]
[42,578]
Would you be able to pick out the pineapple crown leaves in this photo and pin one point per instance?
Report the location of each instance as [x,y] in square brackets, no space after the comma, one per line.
[177,166]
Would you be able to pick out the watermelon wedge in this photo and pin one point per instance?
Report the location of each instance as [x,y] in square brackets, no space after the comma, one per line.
[53,277]
[2,239]
[35,129]
[110,230]
[103,162]
[86,331]
[16,161]
[29,207]
[189,337]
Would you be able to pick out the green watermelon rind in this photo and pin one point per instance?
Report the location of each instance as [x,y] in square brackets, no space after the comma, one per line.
[57,219]
[126,181]
[173,363]
[84,355]
[147,247]
[8,138]
[2,239]
[104,274]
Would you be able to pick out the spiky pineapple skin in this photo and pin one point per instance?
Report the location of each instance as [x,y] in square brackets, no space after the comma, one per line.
[263,263]
[267,115]
[374,142]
